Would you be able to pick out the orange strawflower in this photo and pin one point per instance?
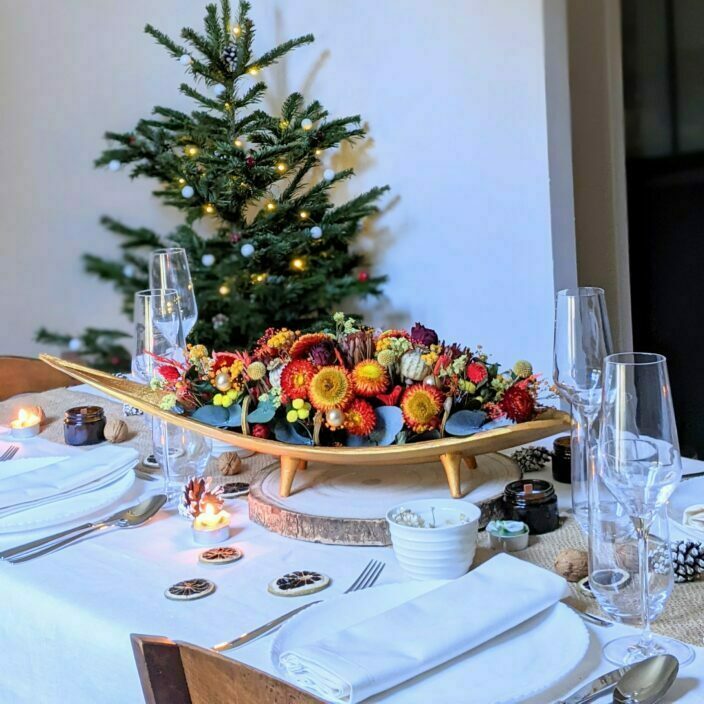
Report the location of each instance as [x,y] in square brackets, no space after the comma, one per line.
[370,378]
[331,387]
[421,405]
[303,344]
[360,418]
[296,377]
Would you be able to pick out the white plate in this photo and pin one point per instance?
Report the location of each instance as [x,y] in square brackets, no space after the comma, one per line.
[502,671]
[66,510]
[687,493]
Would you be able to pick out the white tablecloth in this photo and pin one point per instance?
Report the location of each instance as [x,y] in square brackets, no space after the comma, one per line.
[65,619]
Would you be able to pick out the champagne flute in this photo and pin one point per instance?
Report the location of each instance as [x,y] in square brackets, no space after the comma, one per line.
[158,332]
[168,269]
[640,463]
[582,340]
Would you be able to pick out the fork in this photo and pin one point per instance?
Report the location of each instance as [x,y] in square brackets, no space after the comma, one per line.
[366,579]
[9,453]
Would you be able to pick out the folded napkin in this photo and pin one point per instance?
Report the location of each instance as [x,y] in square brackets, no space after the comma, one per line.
[88,471]
[417,635]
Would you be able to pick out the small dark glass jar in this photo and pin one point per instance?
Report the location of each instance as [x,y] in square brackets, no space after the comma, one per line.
[84,425]
[562,459]
[534,502]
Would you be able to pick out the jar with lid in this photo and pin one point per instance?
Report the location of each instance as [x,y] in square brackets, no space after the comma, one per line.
[84,425]
[534,502]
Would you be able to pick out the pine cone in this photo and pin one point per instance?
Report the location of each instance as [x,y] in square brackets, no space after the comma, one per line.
[193,492]
[358,346]
[532,458]
[687,560]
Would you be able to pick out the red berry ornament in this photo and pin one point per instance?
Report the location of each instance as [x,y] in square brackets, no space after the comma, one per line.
[363,276]
[250,161]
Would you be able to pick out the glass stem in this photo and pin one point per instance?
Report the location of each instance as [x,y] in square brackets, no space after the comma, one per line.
[642,529]
[582,447]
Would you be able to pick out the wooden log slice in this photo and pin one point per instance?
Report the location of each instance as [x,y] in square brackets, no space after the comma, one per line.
[347,505]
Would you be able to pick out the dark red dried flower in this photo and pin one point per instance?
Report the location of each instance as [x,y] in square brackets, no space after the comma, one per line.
[391,399]
[477,372]
[423,336]
[517,404]
[259,430]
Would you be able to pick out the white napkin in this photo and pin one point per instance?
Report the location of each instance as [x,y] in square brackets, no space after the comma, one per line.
[75,475]
[415,636]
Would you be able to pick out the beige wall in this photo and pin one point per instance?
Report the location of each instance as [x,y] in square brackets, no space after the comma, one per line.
[455,95]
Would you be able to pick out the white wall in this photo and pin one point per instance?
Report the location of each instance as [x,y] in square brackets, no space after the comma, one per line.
[455,95]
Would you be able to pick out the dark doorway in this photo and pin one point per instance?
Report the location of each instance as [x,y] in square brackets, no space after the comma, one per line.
[663,77]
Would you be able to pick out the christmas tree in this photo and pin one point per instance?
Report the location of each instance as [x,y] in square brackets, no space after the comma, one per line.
[276,249]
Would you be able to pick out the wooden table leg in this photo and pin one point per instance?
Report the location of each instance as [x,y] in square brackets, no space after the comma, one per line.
[451,462]
[470,461]
[289,467]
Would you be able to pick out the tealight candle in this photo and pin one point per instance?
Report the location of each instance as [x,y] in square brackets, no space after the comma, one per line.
[211,525]
[26,425]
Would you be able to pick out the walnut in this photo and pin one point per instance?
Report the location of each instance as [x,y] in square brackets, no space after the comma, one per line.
[116,430]
[572,564]
[229,463]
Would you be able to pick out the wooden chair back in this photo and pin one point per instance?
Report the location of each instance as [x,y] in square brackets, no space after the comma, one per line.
[180,673]
[21,375]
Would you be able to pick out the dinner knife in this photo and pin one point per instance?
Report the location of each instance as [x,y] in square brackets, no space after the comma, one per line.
[262,630]
[596,687]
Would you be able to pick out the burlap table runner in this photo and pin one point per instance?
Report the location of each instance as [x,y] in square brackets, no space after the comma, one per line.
[684,613]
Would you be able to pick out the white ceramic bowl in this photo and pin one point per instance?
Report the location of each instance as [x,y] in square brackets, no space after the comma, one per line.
[443,552]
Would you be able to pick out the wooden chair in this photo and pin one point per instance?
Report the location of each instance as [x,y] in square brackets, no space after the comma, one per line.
[181,673]
[21,375]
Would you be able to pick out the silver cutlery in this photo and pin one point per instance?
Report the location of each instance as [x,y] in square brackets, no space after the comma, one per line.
[127,518]
[596,687]
[9,453]
[647,682]
[366,579]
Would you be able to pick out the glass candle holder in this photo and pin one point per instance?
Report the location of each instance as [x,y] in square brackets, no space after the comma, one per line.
[534,502]
[84,425]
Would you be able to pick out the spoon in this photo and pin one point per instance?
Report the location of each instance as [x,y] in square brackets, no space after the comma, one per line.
[647,682]
[129,518]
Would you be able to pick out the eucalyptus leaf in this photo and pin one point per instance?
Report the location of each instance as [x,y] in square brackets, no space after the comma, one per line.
[389,423]
[263,413]
[498,423]
[235,418]
[465,423]
[359,441]
[211,415]
[287,432]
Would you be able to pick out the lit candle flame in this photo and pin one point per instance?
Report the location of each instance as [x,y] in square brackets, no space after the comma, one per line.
[25,419]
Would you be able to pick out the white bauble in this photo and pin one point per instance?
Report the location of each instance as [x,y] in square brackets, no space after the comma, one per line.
[185,59]
[74,344]
[114,165]
[208,259]
[306,124]
[187,191]
[247,250]
[218,89]
[328,174]
[316,232]
[128,270]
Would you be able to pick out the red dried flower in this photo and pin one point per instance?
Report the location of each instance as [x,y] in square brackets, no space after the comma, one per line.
[296,377]
[517,404]
[391,399]
[223,360]
[477,373]
[259,430]
[168,372]
[360,418]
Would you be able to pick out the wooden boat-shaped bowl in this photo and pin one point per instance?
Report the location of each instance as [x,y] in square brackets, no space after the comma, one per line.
[450,451]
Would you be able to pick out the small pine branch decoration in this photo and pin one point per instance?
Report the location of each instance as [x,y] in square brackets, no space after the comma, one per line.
[278,249]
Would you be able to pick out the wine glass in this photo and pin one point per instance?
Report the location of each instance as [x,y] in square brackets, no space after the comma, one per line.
[640,463]
[158,330]
[168,269]
[582,340]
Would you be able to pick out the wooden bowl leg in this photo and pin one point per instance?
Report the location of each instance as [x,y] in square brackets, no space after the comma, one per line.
[470,461]
[451,462]
[289,467]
